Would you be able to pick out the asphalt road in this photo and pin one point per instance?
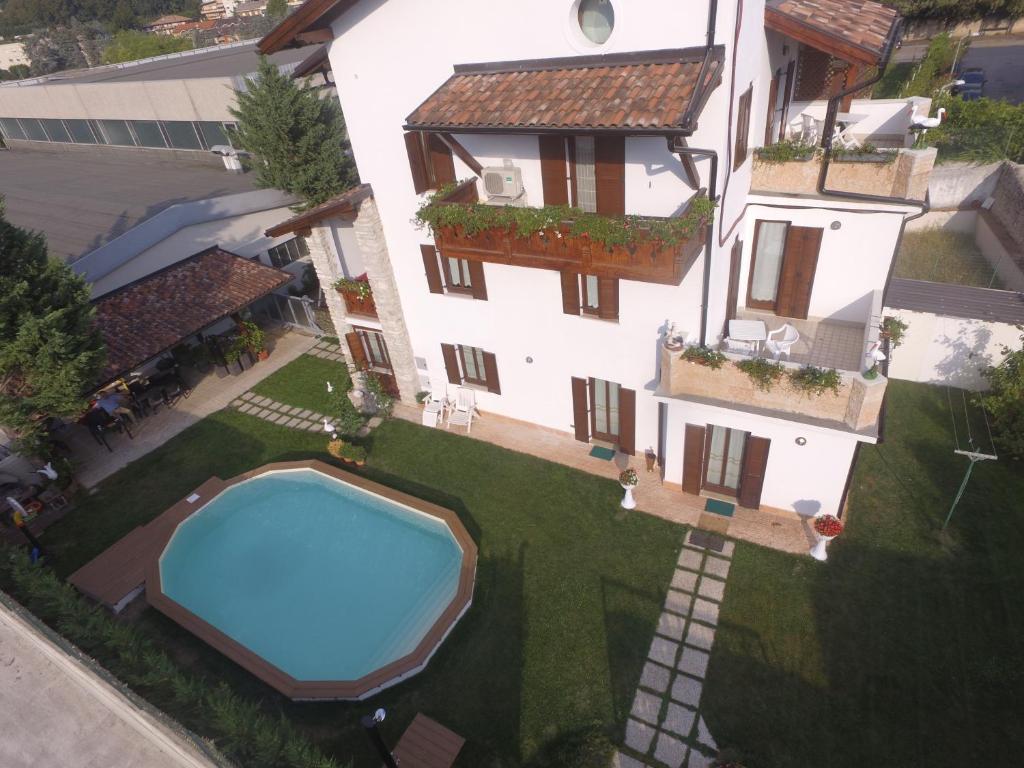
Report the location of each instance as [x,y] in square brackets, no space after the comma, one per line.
[1002,58]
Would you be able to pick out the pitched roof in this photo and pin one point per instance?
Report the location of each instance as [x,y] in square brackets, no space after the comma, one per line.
[340,206]
[154,314]
[649,91]
[170,19]
[853,30]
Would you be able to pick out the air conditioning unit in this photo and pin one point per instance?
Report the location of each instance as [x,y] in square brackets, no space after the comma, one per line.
[504,186]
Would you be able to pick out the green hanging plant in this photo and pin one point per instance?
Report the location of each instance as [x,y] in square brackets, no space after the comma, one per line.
[704,356]
[811,380]
[360,288]
[763,373]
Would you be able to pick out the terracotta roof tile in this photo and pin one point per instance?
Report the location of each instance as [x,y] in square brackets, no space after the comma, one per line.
[552,94]
[151,315]
[864,24]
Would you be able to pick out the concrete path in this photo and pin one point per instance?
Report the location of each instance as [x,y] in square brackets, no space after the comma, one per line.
[666,726]
[55,712]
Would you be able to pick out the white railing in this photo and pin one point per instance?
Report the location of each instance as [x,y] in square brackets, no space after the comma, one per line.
[883,122]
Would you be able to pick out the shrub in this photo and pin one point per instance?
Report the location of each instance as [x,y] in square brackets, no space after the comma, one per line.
[980,131]
[812,380]
[384,400]
[894,328]
[866,150]
[347,419]
[704,356]
[763,373]
[355,453]
[1005,401]
[786,151]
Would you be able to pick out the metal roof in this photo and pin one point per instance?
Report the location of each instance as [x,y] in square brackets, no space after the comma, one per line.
[956,300]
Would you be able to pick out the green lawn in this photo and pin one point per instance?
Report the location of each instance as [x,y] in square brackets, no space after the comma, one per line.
[303,383]
[907,647]
[567,594]
[944,257]
[895,79]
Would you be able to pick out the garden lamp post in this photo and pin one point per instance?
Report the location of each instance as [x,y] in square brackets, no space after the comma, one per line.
[370,722]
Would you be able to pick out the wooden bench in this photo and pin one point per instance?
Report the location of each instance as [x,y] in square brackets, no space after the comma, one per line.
[427,744]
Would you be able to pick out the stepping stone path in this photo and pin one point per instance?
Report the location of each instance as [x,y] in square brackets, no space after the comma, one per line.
[666,727]
[279,413]
[328,350]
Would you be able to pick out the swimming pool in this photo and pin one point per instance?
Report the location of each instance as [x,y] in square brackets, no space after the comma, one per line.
[323,584]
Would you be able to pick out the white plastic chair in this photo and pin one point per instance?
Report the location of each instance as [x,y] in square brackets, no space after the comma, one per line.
[435,404]
[462,409]
[787,337]
[738,347]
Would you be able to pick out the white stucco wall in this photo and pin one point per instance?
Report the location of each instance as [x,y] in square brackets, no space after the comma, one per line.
[949,350]
[803,479]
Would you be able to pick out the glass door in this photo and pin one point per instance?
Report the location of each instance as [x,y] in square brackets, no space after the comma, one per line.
[723,459]
[586,180]
[766,265]
[604,410]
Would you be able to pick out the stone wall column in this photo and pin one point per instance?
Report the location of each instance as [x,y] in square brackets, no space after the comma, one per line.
[328,272]
[370,236]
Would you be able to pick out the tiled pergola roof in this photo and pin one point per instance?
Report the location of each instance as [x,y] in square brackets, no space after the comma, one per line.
[853,30]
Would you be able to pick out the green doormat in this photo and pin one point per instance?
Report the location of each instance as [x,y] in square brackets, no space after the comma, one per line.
[723,508]
[607,454]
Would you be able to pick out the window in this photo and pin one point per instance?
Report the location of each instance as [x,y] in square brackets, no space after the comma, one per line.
[288,251]
[604,410]
[375,347]
[148,133]
[213,134]
[590,295]
[766,267]
[585,177]
[450,275]
[12,128]
[456,276]
[182,134]
[56,131]
[596,19]
[33,129]
[723,459]
[80,131]
[472,360]
[116,132]
[742,128]
[589,298]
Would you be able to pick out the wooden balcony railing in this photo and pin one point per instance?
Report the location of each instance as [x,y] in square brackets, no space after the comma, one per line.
[557,249]
[357,304]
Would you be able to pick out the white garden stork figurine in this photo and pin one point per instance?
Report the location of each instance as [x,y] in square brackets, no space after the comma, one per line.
[329,388]
[330,428]
[922,122]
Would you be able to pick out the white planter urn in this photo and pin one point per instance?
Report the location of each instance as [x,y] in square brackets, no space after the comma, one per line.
[818,551]
[628,502]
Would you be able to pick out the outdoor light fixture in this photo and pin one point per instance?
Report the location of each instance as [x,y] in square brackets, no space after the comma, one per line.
[836,225]
[369,723]
[801,441]
[529,359]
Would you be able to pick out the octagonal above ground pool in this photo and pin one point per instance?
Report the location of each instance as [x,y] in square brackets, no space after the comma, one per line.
[319,582]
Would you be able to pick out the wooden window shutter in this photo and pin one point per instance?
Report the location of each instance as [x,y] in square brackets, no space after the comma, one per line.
[693,458]
[773,97]
[610,174]
[355,346]
[442,166]
[627,421]
[570,293]
[451,363]
[491,373]
[580,414]
[476,277]
[787,96]
[799,264]
[733,297]
[552,170]
[432,268]
[755,462]
[608,298]
[742,128]
[417,161]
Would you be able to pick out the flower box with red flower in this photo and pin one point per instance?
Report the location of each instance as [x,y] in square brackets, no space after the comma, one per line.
[828,526]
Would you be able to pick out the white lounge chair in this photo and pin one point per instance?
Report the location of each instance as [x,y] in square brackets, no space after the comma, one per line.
[462,409]
[781,340]
[435,404]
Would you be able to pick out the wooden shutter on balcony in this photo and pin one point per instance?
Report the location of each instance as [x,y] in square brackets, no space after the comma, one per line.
[608,298]
[570,293]
[552,170]
[742,128]
[476,277]
[442,166]
[798,267]
[733,297]
[627,421]
[755,462]
[773,97]
[693,458]
[433,270]
[355,346]
[580,413]
[491,373]
[610,174]
[417,161]
[451,363]
[787,95]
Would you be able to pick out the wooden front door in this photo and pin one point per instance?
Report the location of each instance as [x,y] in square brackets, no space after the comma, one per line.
[604,410]
[723,459]
[783,263]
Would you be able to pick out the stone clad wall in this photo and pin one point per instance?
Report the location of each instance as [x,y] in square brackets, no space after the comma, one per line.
[905,177]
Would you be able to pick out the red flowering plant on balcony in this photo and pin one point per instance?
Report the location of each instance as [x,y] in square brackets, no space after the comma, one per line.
[828,526]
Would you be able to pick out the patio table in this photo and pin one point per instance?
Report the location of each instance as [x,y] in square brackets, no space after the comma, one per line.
[754,331]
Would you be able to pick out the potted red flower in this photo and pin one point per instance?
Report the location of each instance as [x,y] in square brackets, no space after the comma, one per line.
[826,528]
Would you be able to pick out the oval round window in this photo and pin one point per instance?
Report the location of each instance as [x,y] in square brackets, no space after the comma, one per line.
[596,19]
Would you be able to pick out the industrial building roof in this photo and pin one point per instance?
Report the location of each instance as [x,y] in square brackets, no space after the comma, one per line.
[83,199]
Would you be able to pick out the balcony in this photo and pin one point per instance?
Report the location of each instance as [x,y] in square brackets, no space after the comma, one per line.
[645,258]
[358,298]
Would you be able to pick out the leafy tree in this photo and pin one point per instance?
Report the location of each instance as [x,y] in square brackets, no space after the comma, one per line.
[129,45]
[1005,401]
[15,72]
[296,137]
[957,10]
[50,350]
[277,9]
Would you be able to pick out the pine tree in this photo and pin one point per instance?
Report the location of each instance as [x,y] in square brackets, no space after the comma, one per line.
[50,350]
[296,137]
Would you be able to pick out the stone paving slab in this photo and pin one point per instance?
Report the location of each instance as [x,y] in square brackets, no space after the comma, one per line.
[678,719]
[716,566]
[315,427]
[713,589]
[639,735]
[262,401]
[678,602]
[265,413]
[684,581]
[701,636]
[620,760]
[690,558]
[278,418]
[294,411]
[304,424]
[687,690]
[706,611]
[655,677]
[237,403]
[670,750]
[305,414]
[694,662]
[697,760]
[293,422]
[671,625]
[248,408]
[248,396]
[663,651]
[704,735]
[646,707]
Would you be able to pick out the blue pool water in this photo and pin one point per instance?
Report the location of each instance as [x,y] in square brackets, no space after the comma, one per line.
[321,579]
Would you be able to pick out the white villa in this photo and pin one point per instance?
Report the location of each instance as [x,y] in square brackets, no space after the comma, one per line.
[637,109]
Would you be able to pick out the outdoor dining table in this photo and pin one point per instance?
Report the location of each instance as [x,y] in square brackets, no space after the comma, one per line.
[753,331]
